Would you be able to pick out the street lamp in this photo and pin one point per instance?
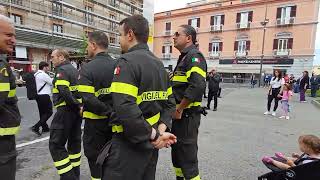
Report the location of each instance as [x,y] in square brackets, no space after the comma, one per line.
[264,24]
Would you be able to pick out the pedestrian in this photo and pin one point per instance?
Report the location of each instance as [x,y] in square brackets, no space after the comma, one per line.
[214,85]
[285,101]
[65,130]
[143,103]
[9,113]
[252,80]
[44,88]
[188,86]
[234,80]
[314,81]
[275,88]
[205,89]
[94,88]
[303,86]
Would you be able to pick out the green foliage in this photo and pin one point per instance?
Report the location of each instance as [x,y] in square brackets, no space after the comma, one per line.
[84,45]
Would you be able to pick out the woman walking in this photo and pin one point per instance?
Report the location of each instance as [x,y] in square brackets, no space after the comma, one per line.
[304,84]
[275,88]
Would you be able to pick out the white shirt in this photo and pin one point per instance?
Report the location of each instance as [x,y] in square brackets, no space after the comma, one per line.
[41,78]
[275,83]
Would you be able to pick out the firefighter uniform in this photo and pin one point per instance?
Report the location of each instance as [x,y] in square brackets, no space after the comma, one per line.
[142,98]
[9,121]
[66,124]
[188,82]
[94,88]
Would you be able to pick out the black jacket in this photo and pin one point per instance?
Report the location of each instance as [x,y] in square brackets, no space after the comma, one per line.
[304,81]
[214,81]
[142,95]
[94,86]
[189,76]
[9,113]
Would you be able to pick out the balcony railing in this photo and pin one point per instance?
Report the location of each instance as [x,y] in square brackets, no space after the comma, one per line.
[214,54]
[241,53]
[216,28]
[166,56]
[285,21]
[168,33]
[282,52]
[243,25]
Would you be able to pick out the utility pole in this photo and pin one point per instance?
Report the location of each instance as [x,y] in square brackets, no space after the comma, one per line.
[264,24]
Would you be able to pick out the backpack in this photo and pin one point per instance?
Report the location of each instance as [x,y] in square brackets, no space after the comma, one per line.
[32,86]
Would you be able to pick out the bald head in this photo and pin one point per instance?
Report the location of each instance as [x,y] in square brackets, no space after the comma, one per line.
[7,35]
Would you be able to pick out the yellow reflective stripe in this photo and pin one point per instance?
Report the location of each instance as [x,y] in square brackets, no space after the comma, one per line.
[73,88]
[124,88]
[61,104]
[62,162]
[154,119]
[74,156]
[102,91]
[80,100]
[65,170]
[4,87]
[86,89]
[169,91]
[62,83]
[76,164]
[9,131]
[196,70]
[12,93]
[117,129]
[55,91]
[196,178]
[91,115]
[152,96]
[178,172]
[92,178]
[195,104]
[180,79]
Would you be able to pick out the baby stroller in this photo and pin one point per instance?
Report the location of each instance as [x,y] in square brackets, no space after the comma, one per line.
[308,171]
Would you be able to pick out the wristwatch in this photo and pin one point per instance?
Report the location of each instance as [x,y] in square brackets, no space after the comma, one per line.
[179,111]
[157,135]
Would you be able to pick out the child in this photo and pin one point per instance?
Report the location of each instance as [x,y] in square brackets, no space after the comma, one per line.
[308,144]
[286,97]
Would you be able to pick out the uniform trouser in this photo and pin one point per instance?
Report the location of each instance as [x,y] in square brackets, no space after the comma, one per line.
[185,152]
[7,157]
[45,111]
[66,130]
[96,134]
[127,162]
[213,95]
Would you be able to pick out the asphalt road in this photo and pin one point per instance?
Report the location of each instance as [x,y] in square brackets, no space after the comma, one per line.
[231,141]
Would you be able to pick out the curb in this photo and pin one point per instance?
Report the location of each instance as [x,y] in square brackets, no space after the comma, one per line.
[317,104]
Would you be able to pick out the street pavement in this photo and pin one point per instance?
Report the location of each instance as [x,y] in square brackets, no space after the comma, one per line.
[232,140]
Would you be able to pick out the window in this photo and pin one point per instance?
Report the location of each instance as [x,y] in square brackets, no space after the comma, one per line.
[17,2]
[112,40]
[217,22]
[244,19]
[242,46]
[17,19]
[132,10]
[88,17]
[195,22]
[282,44]
[113,25]
[57,28]
[56,9]
[286,15]
[168,29]
[166,51]
[215,48]
[114,3]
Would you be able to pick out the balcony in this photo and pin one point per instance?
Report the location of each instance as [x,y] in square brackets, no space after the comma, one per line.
[167,33]
[166,56]
[214,55]
[241,53]
[243,25]
[17,2]
[216,28]
[285,21]
[282,52]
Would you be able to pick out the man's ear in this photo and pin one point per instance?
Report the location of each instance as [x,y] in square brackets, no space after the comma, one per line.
[130,35]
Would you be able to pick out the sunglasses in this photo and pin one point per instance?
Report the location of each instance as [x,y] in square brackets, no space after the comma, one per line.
[177,34]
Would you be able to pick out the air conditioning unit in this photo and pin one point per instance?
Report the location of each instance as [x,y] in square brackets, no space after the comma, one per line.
[282,52]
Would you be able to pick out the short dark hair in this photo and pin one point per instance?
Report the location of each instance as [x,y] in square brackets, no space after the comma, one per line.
[139,25]
[190,31]
[100,38]
[43,64]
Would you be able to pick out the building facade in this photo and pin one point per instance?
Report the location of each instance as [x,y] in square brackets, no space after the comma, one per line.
[230,34]
[43,25]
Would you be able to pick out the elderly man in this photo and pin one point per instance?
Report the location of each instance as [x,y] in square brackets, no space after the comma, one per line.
[9,112]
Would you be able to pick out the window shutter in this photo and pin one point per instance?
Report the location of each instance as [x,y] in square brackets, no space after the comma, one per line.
[189,22]
[279,13]
[250,17]
[170,49]
[210,47]
[275,44]
[248,43]
[222,19]
[212,21]
[220,46]
[198,22]
[238,17]
[293,11]
[290,43]
[163,49]
[236,45]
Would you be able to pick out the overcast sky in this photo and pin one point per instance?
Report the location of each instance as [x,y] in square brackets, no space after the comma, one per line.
[166,5]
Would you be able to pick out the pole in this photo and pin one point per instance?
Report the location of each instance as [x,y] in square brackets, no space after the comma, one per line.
[264,24]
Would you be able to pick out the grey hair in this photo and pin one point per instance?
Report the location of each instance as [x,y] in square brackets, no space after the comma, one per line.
[6,19]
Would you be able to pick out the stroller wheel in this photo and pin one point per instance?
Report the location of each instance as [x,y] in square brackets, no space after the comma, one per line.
[290,175]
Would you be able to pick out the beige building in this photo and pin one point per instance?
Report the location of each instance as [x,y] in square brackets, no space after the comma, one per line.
[230,34]
[42,25]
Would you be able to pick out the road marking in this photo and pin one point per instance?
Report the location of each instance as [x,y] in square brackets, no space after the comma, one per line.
[22,97]
[32,142]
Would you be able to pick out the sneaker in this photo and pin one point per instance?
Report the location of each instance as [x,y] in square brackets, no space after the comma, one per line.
[287,117]
[36,131]
[215,109]
[273,113]
[267,113]
[282,117]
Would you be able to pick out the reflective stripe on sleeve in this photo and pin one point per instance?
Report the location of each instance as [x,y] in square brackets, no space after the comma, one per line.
[196,70]
[62,83]
[124,88]
[86,89]
[91,115]
[4,87]
[12,93]
[9,131]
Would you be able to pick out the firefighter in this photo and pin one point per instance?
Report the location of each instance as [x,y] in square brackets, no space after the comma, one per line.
[94,88]
[188,86]
[66,124]
[143,103]
[9,112]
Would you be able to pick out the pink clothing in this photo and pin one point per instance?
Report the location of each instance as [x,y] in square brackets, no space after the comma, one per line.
[286,95]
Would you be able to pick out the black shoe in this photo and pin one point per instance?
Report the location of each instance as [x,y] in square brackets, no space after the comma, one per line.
[207,108]
[215,109]
[219,97]
[205,96]
[45,130]
[36,131]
